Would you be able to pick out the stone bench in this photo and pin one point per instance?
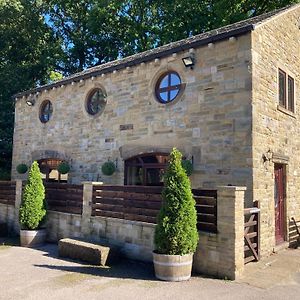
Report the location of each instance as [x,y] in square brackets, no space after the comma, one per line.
[86,251]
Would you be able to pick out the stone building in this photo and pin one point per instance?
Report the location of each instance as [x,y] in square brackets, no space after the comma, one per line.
[226,98]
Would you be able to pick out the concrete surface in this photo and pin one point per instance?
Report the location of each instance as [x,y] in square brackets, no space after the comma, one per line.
[40,274]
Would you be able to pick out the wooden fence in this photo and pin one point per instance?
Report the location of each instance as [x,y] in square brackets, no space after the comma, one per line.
[142,203]
[66,198]
[251,233]
[7,192]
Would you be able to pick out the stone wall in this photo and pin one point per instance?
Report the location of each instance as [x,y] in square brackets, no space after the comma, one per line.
[211,121]
[275,44]
[220,255]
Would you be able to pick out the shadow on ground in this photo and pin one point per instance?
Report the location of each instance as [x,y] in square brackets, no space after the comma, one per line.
[10,241]
[123,268]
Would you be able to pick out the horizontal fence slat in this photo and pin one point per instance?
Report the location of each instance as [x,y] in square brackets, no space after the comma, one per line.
[127,195]
[202,226]
[108,214]
[250,224]
[254,245]
[207,218]
[130,188]
[249,259]
[64,197]
[7,192]
[71,210]
[142,203]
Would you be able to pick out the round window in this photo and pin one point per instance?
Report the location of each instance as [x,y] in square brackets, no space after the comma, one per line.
[96,102]
[168,87]
[46,111]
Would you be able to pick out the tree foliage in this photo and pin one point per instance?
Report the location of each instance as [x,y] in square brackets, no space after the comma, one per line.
[33,207]
[176,231]
[27,50]
[40,40]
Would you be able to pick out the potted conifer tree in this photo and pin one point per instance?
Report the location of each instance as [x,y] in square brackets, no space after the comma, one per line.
[32,212]
[176,234]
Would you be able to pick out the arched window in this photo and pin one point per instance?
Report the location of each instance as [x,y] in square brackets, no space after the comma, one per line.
[146,169]
[49,170]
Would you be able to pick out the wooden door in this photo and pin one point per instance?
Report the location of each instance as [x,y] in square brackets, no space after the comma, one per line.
[279,198]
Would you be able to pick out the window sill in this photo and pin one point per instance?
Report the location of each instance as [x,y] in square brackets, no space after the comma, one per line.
[285,111]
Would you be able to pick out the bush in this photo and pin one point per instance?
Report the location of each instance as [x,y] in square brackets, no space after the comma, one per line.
[22,168]
[33,207]
[108,168]
[63,167]
[176,231]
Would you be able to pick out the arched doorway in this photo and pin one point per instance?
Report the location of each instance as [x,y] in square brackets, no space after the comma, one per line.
[145,169]
[48,168]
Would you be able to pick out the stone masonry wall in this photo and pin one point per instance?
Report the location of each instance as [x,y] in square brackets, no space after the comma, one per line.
[211,121]
[275,44]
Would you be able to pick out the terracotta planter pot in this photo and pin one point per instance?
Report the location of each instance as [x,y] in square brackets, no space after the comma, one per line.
[173,267]
[32,238]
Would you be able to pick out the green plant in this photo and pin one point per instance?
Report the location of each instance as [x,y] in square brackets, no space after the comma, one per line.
[187,166]
[22,168]
[33,207]
[63,167]
[176,232]
[108,168]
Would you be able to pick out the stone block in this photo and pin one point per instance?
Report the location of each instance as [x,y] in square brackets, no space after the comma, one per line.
[82,250]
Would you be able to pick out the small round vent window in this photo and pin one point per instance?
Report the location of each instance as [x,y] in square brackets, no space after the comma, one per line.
[168,87]
[96,102]
[46,111]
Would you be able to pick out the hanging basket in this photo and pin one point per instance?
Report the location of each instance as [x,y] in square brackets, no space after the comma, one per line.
[108,168]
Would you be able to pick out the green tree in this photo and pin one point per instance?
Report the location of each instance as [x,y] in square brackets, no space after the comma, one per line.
[176,232]
[85,30]
[33,207]
[26,57]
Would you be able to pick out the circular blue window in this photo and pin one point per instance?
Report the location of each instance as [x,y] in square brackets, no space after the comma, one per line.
[168,87]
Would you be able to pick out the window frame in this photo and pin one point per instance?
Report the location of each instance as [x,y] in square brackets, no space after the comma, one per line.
[89,96]
[288,101]
[169,88]
[42,113]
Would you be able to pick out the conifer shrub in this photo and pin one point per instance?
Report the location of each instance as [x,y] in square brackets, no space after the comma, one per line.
[33,206]
[176,231]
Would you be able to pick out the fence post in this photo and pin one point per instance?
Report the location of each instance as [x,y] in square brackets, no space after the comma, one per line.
[18,199]
[231,230]
[86,208]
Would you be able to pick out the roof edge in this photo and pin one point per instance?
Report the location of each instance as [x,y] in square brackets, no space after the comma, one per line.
[136,59]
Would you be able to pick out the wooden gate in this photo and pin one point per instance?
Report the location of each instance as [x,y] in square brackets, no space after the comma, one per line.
[251,233]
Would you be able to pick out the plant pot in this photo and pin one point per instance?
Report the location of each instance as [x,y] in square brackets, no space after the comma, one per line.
[32,238]
[173,267]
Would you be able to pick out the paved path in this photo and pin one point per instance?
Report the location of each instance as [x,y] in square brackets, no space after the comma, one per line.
[39,274]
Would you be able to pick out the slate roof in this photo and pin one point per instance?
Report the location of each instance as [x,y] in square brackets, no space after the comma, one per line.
[212,36]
